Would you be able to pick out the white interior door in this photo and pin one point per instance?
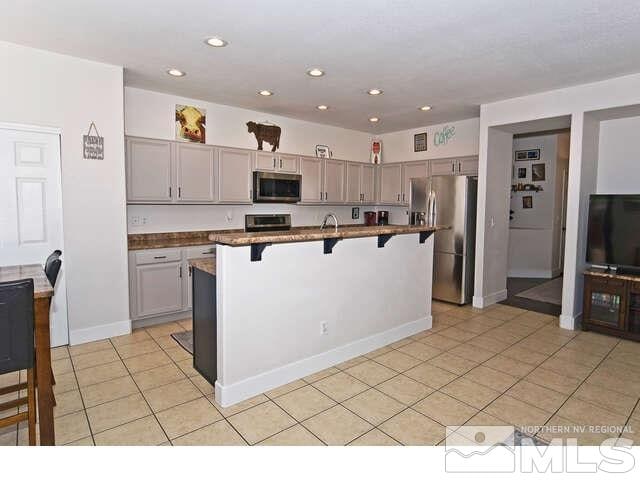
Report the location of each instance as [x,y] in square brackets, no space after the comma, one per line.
[31,210]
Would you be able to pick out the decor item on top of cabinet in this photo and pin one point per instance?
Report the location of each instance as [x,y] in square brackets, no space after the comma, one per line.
[323,151]
[93,145]
[265,132]
[190,123]
[376,151]
[527,202]
[538,172]
[443,136]
[420,142]
[525,155]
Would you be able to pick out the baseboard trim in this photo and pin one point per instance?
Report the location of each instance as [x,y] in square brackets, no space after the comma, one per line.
[531,273]
[228,395]
[157,320]
[91,334]
[483,302]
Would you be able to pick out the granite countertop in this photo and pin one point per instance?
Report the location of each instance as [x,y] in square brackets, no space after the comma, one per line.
[41,286]
[305,234]
[608,274]
[143,241]
[205,264]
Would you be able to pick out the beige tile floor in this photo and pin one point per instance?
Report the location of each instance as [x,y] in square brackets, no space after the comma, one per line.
[498,366]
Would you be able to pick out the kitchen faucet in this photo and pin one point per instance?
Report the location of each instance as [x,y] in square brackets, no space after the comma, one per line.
[326,217]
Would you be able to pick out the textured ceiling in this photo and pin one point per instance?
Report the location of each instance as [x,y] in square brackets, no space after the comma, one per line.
[452,55]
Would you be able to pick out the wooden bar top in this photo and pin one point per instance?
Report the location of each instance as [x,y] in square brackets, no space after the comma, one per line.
[305,234]
[41,286]
[592,272]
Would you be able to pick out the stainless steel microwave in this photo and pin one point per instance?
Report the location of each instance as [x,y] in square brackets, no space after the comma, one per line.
[270,187]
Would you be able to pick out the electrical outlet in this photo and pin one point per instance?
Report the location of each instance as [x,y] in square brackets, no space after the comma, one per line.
[324,328]
[135,220]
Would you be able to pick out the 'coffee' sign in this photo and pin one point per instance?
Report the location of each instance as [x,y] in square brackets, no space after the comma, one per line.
[93,145]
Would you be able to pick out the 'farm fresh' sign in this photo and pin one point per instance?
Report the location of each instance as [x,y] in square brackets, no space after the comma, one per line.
[443,136]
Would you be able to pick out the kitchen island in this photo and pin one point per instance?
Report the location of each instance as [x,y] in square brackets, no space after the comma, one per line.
[291,303]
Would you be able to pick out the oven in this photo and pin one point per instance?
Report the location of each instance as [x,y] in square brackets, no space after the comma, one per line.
[269,187]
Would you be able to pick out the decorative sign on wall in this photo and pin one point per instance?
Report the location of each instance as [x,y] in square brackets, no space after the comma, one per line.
[376,151]
[442,137]
[322,151]
[265,132]
[527,155]
[527,202]
[420,142]
[538,172]
[191,123]
[93,145]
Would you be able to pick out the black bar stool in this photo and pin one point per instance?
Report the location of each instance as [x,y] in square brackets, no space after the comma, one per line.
[17,350]
[51,269]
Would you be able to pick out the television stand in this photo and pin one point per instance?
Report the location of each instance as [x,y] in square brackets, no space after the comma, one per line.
[612,303]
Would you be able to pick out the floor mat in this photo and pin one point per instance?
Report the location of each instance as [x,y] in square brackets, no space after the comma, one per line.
[548,292]
[185,340]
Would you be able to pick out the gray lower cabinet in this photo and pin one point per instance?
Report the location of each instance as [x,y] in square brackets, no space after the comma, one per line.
[234,174]
[160,280]
[149,170]
[311,190]
[391,184]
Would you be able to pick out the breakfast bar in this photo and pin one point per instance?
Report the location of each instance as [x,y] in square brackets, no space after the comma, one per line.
[291,303]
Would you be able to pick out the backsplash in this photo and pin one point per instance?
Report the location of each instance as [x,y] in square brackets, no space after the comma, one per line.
[181,218]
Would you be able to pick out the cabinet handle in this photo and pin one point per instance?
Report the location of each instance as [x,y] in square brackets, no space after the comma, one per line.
[281,163]
[160,256]
[169,192]
[179,192]
[325,195]
[398,197]
[190,267]
[274,162]
[251,194]
[453,168]
[180,271]
[320,195]
[403,197]
[459,167]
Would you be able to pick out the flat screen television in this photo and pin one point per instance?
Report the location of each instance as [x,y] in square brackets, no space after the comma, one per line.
[613,237]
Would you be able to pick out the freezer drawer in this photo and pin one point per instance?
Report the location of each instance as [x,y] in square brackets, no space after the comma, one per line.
[448,275]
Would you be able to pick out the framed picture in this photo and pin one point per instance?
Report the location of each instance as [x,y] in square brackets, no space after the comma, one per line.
[190,123]
[322,151]
[522,172]
[420,142]
[527,155]
[538,172]
[527,202]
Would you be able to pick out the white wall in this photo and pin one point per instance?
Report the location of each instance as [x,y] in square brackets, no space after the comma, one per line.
[398,146]
[47,89]
[152,114]
[579,102]
[269,329]
[619,156]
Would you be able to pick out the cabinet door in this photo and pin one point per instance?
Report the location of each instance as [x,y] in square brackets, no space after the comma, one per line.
[234,172]
[468,166]
[288,163]
[605,302]
[195,168]
[158,288]
[368,183]
[149,170]
[334,181]
[266,161]
[311,170]
[390,184]
[443,167]
[409,171]
[354,175]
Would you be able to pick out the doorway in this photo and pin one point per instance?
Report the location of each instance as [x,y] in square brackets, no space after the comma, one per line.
[537,219]
[31,209]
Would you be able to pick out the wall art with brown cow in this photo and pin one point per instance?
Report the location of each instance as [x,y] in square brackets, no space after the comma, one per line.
[265,133]
[191,123]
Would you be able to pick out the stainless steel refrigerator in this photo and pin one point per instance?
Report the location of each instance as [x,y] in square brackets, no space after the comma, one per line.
[454,249]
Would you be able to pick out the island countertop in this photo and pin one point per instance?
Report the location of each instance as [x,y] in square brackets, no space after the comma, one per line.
[305,234]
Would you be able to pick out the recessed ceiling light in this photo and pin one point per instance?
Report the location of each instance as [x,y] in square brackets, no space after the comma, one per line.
[322,107]
[374,119]
[375,91]
[174,72]
[216,42]
[315,72]
[425,108]
[265,93]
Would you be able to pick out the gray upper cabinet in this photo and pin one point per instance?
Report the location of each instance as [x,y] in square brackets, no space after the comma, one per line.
[334,176]
[266,161]
[455,166]
[409,171]
[288,163]
[368,183]
[360,183]
[311,188]
[275,162]
[149,171]
[195,173]
[234,174]
[391,184]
